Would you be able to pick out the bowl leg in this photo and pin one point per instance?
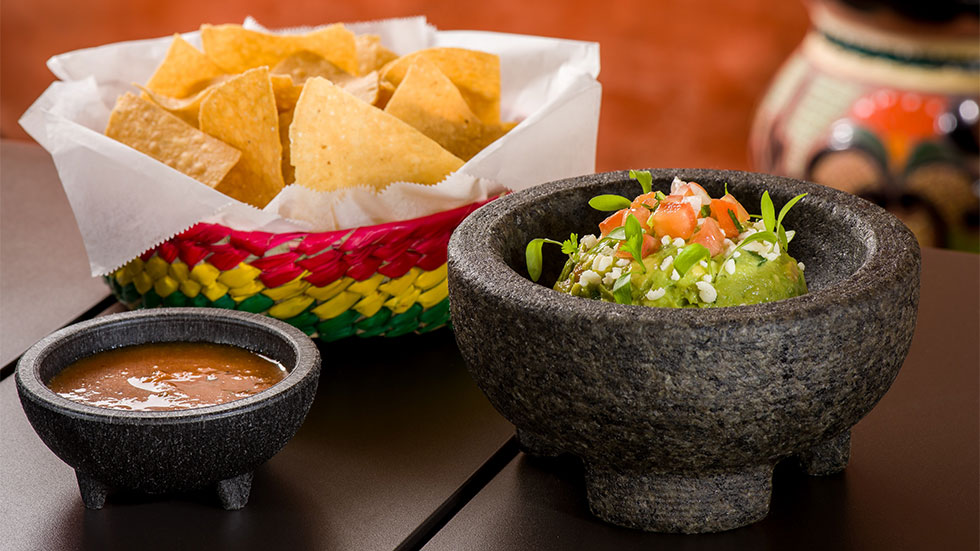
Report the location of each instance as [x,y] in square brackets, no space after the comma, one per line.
[233,492]
[534,444]
[93,491]
[827,457]
[691,504]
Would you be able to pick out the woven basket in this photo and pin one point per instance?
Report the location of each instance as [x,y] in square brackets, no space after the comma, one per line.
[388,279]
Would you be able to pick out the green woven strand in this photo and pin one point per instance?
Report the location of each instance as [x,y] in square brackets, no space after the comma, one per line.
[200,301]
[175,299]
[256,304]
[225,302]
[151,299]
[437,314]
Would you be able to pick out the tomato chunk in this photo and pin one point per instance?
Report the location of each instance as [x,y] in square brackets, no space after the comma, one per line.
[675,218]
[614,221]
[720,209]
[711,236]
[650,246]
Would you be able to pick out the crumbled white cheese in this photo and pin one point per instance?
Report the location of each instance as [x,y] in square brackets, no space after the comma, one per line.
[623,262]
[655,294]
[706,278]
[746,233]
[730,266]
[611,276]
[706,291]
[674,275]
[588,278]
[701,221]
[770,256]
[588,242]
[736,254]
[801,266]
[666,263]
[602,262]
[703,263]
[678,242]
[790,234]
[665,240]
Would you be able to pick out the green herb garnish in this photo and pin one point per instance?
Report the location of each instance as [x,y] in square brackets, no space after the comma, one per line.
[608,203]
[738,226]
[659,196]
[570,245]
[634,240]
[705,211]
[689,256]
[644,177]
[618,233]
[533,256]
[783,242]
[768,212]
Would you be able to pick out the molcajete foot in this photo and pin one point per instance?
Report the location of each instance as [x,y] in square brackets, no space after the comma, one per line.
[93,491]
[827,457]
[686,503]
[532,443]
[233,492]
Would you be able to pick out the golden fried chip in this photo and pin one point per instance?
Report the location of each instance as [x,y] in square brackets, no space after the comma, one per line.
[385,91]
[150,129]
[288,172]
[371,55]
[476,74]
[286,92]
[186,109]
[364,88]
[236,49]
[339,141]
[183,72]
[427,100]
[242,113]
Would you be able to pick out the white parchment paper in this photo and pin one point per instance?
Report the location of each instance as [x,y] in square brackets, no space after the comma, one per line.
[126,202]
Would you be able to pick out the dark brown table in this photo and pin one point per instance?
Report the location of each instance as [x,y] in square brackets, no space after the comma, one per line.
[402,451]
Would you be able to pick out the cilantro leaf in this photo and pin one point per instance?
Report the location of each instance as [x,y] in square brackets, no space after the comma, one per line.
[570,245]
[634,240]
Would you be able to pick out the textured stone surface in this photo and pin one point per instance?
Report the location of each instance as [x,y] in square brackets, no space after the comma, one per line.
[168,451]
[650,393]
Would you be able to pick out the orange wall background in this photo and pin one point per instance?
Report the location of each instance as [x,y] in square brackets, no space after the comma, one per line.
[680,78]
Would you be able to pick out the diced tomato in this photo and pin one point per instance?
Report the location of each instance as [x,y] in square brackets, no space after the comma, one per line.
[650,246]
[642,214]
[675,218]
[645,199]
[711,236]
[614,221]
[720,209]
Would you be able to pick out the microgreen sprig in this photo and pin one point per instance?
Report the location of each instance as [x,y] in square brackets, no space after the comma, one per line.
[609,202]
[634,240]
[689,256]
[533,256]
[644,178]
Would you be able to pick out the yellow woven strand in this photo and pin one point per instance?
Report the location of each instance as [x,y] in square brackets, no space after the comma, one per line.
[367,286]
[288,290]
[292,307]
[369,305]
[398,286]
[134,267]
[435,295]
[239,277]
[156,267]
[123,276]
[430,279]
[165,286]
[205,274]
[336,306]
[179,271]
[143,282]
[329,291]
[215,291]
[403,301]
[245,291]
[190,288]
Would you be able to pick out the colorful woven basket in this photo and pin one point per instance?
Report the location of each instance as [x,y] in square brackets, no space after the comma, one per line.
[388,279]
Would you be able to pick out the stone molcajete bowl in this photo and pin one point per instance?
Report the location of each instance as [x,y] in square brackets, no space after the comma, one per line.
[170,451]
[679,415]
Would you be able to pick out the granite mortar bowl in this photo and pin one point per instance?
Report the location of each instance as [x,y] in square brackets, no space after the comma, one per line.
[169,451]
[679,415]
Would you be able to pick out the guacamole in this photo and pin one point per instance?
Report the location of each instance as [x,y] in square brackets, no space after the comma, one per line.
[694,251]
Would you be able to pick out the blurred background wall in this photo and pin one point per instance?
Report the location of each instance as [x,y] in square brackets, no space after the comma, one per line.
[681,79]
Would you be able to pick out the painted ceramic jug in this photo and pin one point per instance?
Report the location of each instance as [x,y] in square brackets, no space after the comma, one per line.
[881,100]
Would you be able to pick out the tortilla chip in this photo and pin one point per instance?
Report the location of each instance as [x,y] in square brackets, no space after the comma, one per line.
[364,88]
[242,113]
[184,71]
[150,129]
[186,109]
[286,92]
[236,49]
[288,172]
[338,141]
[385,91]
[371,55]
[305,64]
[476,74]
[427,100]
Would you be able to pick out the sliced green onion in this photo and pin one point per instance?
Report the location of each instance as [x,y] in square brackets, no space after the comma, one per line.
[623,289]
[608,203]
[738,226]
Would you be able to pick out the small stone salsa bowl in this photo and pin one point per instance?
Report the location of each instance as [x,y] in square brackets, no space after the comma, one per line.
[679,415]
[170,451]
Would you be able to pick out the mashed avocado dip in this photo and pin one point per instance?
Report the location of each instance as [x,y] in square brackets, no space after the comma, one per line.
[694,251]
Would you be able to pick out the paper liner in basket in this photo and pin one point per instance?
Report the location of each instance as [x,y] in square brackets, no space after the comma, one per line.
[126,202]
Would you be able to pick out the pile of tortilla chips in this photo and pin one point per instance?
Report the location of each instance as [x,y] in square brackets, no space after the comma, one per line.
[327,110]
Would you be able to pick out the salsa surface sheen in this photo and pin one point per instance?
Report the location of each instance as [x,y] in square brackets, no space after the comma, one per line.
[166,376]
